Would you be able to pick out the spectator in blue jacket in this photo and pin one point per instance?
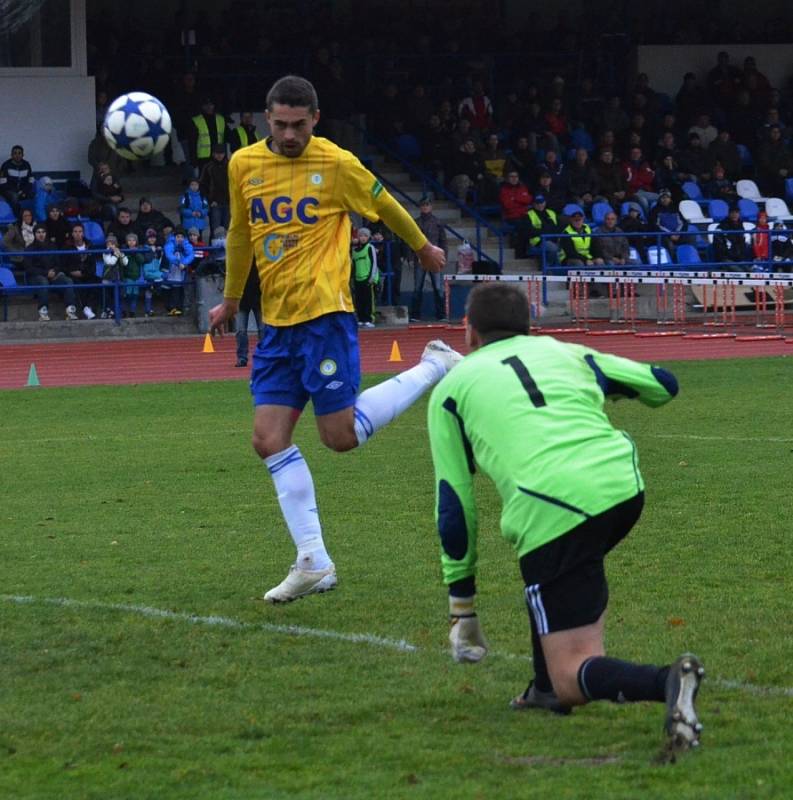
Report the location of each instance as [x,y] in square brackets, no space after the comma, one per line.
[45,197]
[194,208]
[179,254]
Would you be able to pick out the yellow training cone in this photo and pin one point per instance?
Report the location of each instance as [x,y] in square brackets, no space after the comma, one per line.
[395,354]
[208,346]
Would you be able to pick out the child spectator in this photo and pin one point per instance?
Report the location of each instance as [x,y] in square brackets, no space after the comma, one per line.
[465,259]
[216,263]
[106,193]
[45,196]
[781,244]
[132,273]
[113,260]
[366,276]
[761,245]
[720,186]
[179,256]
[152,270]
[632,222]
[665,217]
[194,207]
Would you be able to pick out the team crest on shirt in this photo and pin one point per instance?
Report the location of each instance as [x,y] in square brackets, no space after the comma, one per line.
[316,179]
[328,367]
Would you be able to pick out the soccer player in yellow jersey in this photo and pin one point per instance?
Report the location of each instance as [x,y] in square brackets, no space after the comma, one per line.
[290,198]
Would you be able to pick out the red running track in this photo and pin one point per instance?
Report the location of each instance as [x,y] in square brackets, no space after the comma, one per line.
[89,363]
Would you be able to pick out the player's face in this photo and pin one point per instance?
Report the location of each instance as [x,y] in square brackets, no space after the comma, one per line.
[291,128]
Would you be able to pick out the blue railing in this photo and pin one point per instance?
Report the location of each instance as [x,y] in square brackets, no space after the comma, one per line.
[438,190]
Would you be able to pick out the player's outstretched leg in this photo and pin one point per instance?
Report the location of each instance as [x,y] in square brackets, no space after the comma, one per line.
[682,684]
[376,407]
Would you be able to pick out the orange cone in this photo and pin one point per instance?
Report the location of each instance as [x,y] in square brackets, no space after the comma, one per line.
[208,346]
[395,354]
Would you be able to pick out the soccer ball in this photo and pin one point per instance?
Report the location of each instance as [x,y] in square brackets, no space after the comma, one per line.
[137,125]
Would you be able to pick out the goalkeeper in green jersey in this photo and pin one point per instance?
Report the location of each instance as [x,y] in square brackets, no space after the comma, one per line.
[528,412]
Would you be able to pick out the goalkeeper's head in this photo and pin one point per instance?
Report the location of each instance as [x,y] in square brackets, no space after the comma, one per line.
[495,311]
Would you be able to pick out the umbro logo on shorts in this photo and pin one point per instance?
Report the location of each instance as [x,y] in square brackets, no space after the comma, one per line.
[334,385]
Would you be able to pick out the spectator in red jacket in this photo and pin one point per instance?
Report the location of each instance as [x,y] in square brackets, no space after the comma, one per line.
[477,108]
[639,176]
[514,198]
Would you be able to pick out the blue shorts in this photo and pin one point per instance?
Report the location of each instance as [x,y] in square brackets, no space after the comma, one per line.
[318,359]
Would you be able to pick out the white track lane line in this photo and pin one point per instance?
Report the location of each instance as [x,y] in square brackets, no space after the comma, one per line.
[399,645]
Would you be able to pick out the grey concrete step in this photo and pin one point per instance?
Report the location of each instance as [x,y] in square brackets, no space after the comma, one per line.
[60,330]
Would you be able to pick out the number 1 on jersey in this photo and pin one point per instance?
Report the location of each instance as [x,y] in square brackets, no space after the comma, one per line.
[535,395]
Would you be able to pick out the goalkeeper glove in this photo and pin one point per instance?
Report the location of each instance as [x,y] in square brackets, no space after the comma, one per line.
[465,633]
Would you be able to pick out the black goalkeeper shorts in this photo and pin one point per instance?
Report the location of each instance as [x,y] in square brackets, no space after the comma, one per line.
[565,579]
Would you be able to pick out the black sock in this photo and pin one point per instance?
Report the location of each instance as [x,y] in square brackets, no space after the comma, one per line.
[603,678]
[541,680]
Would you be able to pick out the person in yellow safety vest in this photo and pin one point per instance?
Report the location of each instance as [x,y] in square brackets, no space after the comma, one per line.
[208,130]
[541,220]
[244,134]
[577,246]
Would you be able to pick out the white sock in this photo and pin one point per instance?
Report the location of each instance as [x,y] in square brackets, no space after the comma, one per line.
[377,406]
[295,489]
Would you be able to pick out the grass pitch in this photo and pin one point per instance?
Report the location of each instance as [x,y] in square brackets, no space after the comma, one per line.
[121,503]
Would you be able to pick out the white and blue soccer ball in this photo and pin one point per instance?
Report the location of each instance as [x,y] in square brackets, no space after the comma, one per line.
[137,125]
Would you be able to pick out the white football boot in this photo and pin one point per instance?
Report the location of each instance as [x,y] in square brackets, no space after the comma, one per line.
[301,582]
[440,352]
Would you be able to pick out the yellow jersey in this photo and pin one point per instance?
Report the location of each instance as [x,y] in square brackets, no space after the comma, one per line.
[291,214]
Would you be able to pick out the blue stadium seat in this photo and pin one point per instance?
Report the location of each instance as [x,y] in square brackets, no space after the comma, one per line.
[7,279]
[658,256]
[788,188]
[687,255]
[746,155]
[749,209]
[6,214]
[599,211]
[718,210]
[692,190]
[94,233]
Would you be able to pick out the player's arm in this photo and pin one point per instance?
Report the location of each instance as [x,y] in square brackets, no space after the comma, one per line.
[623,377]
[239,253]
[364,194]
[455,515]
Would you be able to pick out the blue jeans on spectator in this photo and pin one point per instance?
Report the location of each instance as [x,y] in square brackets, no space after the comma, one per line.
[551,253]
[241,334]
[419,274]
[218,216]
[60,280]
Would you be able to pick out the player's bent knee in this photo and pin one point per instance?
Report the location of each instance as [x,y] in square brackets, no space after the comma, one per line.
[339,440]
[566,688]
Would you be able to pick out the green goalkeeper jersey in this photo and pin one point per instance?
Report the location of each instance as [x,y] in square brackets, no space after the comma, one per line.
[528,411]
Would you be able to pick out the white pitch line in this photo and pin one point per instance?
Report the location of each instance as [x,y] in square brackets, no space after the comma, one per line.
[298,630]
[718,438]
[216,621]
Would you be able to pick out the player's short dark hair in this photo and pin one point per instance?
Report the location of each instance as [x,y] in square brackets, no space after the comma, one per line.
[292,90]
[497,310]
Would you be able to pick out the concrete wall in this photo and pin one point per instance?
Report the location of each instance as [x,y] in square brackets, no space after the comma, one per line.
[53,118]
[666,64]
